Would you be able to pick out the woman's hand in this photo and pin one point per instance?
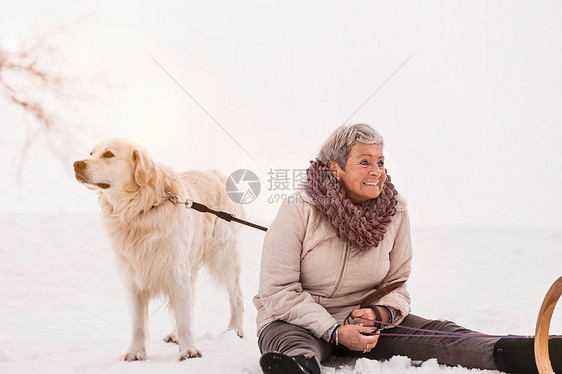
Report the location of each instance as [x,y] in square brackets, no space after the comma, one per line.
[363,316]
[366,316]
[352,337]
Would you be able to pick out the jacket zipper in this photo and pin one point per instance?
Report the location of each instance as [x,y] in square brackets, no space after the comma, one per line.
[342,270]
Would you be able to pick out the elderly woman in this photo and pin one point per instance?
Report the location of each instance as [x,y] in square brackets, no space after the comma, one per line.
[330,246]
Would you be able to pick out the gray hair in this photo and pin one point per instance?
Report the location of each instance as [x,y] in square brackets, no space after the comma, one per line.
[339,144]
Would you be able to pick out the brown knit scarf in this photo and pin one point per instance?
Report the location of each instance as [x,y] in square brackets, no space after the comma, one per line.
[362,226]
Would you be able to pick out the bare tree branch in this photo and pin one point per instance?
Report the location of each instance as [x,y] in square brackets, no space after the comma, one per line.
[31,83]
[23,77]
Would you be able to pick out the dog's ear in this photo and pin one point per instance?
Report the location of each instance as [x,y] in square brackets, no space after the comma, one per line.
[143,167]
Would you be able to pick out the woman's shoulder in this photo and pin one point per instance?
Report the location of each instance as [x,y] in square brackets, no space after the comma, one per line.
[402,203]
[298,203]
[294,212]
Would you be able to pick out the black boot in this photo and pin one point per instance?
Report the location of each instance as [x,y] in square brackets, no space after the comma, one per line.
[278,363]
[517,355]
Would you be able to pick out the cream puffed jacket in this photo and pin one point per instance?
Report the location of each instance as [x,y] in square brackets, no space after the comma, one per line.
[311,278]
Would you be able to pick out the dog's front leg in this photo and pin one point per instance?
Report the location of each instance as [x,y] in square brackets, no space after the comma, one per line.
[139,325]
[181,303]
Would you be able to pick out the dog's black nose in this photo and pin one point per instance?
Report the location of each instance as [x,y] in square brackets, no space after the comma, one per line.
[79,165]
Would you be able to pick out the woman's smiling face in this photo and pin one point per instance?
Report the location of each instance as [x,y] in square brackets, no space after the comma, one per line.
[364,174]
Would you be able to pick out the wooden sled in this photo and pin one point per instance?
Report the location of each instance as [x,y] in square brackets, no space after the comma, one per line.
[543,324]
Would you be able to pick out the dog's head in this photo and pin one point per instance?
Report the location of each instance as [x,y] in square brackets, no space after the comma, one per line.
[115,165]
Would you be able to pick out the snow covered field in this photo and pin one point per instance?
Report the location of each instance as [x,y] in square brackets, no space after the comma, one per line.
[62,307]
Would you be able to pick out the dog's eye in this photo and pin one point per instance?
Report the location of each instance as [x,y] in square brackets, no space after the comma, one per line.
[108,154]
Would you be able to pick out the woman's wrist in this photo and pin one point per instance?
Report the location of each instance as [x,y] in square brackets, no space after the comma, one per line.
[336,335]
[329,334]
[392,313]
[382,315]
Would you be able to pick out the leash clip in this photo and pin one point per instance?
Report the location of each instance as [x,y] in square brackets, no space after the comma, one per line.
[176,200]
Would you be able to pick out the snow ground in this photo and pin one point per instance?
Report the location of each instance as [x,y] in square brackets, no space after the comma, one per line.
[62,307]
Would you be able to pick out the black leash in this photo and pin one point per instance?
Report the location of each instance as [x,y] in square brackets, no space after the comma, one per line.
[205,209]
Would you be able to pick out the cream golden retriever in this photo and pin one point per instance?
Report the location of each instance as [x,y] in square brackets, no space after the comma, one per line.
[159,245]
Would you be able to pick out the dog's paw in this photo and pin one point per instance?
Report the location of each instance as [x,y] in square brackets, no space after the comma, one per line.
[189,353]
[171,338]
[238,331]
[134,356]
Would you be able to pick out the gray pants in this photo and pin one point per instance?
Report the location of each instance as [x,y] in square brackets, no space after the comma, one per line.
[469,352]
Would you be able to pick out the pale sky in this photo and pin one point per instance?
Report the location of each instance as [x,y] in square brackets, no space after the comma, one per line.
[472,121]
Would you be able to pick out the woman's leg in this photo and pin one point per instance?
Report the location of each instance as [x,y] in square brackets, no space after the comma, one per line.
[517,355]
[293,341]
[468,352]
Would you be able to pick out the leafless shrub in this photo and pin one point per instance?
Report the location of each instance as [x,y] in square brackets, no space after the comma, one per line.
[30,83]
[25,78]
